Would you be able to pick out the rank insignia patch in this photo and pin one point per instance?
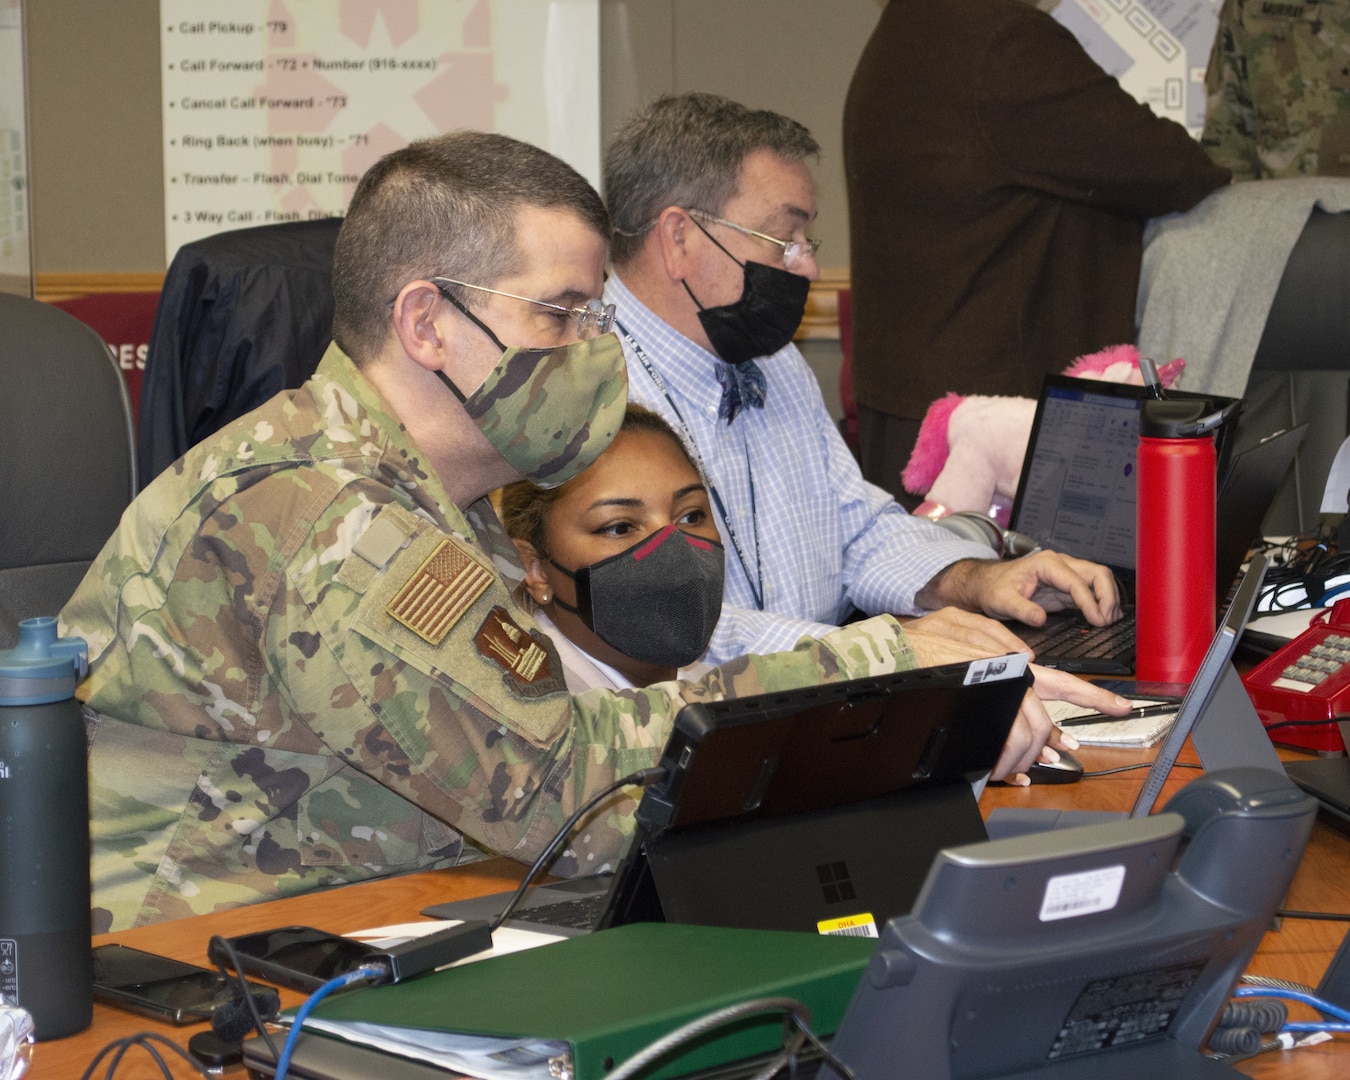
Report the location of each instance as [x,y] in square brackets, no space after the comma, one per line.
[439,593]
[530,662]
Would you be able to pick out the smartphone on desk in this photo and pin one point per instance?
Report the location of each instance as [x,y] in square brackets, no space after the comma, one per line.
[296,956]
[157,986]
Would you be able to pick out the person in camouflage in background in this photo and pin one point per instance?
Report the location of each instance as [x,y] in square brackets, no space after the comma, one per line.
[1278,87]
[307,665]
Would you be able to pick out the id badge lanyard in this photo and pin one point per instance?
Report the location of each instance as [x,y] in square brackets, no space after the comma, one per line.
[756,580]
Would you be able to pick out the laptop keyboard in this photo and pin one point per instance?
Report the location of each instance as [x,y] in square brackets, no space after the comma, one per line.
[1082,640]
[581,913]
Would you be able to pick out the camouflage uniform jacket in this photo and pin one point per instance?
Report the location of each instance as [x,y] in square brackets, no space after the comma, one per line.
[1279,89]
[308,668]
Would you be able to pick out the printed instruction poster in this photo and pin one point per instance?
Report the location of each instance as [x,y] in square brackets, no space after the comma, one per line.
[273,109]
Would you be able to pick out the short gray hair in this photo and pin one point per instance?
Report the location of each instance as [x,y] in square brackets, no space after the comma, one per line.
[442,207]
[687,150]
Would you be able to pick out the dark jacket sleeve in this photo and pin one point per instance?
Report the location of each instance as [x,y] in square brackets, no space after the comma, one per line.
[1054,121]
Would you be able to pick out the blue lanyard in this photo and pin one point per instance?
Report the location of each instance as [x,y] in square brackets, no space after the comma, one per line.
[756,583]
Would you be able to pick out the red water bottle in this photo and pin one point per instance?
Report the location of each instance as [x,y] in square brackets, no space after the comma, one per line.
[1174,561]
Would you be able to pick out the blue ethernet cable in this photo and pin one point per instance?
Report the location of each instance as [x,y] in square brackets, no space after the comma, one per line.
[361,974]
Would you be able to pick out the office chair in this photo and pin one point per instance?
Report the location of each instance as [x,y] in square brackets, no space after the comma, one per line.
[69,466]
[243,315]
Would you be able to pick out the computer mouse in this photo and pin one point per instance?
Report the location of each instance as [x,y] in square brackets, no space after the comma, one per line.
[1067,770]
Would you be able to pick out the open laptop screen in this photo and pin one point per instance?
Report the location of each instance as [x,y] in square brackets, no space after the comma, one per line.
[1077,493]
[1077,489]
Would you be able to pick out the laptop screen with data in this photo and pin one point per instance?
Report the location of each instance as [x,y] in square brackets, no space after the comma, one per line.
[1077,489]
[1077,493]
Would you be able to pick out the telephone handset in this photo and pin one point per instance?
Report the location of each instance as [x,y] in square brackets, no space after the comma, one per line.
[1304,689]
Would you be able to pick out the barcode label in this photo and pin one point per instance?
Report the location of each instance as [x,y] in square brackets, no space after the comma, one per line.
[849,926]
[1071,895]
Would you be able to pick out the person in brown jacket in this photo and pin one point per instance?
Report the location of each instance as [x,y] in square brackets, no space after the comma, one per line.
[998,185]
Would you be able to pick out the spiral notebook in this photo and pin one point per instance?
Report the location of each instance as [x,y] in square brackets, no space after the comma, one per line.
[1134,732]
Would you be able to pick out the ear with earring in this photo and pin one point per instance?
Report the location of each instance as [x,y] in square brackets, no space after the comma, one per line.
[536,584]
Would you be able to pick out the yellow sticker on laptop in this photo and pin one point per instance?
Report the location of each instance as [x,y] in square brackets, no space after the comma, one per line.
[862,925]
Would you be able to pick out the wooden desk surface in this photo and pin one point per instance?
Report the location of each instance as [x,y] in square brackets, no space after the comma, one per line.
[1298,950]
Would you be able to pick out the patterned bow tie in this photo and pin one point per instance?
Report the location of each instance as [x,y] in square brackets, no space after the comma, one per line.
[743,386]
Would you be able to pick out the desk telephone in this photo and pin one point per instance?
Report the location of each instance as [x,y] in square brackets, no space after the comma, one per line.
[1307,681]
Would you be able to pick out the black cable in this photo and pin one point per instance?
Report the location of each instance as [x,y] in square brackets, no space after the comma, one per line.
[1300,581]
[145,1040]
[220,943]
[1141,765]
[641,778]
[797,1015]
[1266,1016]
[824,1051]
[1325,916]
[1235,1041]
[1303,723]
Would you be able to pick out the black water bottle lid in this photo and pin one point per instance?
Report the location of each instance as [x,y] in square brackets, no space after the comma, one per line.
[1184,418]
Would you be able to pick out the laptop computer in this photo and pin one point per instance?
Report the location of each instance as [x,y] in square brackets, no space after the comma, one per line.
[803,810]
[1216,714]
[1077,495]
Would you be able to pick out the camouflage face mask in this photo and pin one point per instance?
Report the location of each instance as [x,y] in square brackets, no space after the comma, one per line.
[551,412]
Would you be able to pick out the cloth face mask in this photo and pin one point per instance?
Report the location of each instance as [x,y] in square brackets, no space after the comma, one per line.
[550,412]
[763,320]
[658,601]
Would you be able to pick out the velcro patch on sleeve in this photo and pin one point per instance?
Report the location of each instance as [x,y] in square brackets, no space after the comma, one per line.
[439,592]
[385,537]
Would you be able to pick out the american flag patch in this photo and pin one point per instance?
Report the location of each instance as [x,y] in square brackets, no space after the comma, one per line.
[442,590]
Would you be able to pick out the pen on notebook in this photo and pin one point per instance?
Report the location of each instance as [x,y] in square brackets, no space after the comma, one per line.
[1134,714]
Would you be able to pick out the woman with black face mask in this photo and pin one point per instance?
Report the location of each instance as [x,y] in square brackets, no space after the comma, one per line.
[623,563]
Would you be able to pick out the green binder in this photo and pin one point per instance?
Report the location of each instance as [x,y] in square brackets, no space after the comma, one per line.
[611,993]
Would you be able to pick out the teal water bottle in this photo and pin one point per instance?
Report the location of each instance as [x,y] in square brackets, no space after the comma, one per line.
[45,962]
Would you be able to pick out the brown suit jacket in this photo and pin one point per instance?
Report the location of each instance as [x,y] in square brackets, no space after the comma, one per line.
[998,186]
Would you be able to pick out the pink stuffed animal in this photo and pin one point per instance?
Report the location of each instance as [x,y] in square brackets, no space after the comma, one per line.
[970,449]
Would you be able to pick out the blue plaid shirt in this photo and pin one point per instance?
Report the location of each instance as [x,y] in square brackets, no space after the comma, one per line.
[827,540]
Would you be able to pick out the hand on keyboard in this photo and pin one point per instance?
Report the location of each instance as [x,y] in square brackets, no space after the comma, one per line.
[1025,589]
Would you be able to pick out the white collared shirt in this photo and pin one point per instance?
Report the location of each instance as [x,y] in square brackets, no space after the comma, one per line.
[820,539]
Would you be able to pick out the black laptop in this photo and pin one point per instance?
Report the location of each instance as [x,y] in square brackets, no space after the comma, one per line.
[1077,495]
[818,809]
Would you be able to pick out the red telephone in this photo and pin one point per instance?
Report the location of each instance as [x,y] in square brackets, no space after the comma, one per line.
[1307,681]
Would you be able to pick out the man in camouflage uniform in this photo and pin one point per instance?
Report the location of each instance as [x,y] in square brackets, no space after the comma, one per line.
[307,666]
[1279,89]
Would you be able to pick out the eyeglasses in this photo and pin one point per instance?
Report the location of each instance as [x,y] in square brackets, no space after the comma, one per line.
[594,319]
[795,252]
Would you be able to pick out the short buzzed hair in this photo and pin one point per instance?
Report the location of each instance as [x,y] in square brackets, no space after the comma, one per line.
[442,207]
[687,150]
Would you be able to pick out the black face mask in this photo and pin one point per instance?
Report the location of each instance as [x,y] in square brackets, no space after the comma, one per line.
[763,320]
[658,601]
